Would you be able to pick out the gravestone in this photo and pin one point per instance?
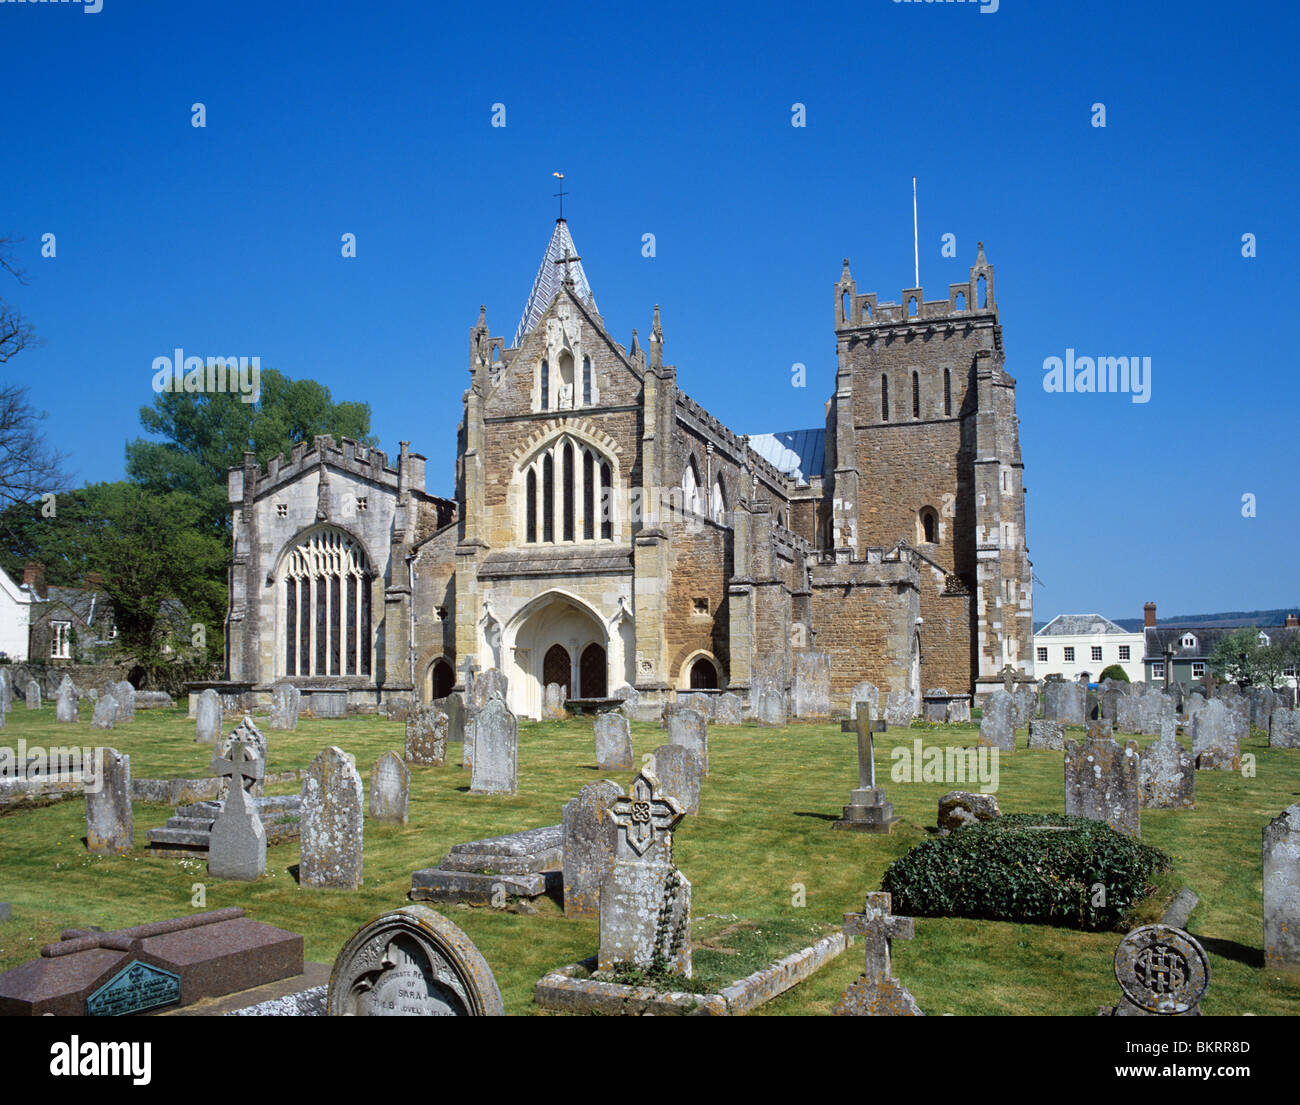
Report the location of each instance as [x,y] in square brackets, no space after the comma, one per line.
[867,811]
[1284,728]
[1026,704]
[496,750]
[876,993]
[33,695]
[1063,701]
[1216,738]
[1167,774]
[936,705]
[630,701]
[412,962]
[690,730]
[1101,780]
[1282,893]
[207,725]
[703,704]
[237,844]
[811,689]
[525,864]
[488,684]
[390,789]
[680,774]
[1162,971]
[104,716]
[1046,734]
[997,722]
[613,735]
[329,702]
[900,709]
[553,703]
[770,709]
[1262,702]
[959,808]
[1193,704]
[65,702]
[1143,713]
[6,692]
[150,700]
[454,707]
[864,692]
[728,710]
[110,827]
[246,731]
[286,702]
[332,830]
[588,846]
[645,902]
[125,695]
[427,732]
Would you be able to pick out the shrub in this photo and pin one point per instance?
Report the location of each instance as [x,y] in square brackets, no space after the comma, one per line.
[1037,868]
[1114,672]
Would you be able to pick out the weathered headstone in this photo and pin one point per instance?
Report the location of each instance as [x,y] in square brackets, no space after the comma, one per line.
[125,695]
[1284,728]
[488,684]
[553,702]
[104,716]
[645,902]
[496,750]
[1046,734]
[864,692]
[6,692]
[237,844]
[65,702]
[1025,697]
[690,730]
[525,864]
[1063,701]
[1167,774]
[427,732]
[589,842]
[680,774]
[33,695]
[630,701]
[390,789]
[332,832]
[613,742]
[728,710]
[769,710]
[811,689]
[110,825]
[1162,972]
[997,722]
[1282,892]
[1216,738]
[900,709]
[412,962]
[877,993]
[702,703]
[207,725]
[454,707]
[1262,702]
[286,702]
[1101,780]
[959,808]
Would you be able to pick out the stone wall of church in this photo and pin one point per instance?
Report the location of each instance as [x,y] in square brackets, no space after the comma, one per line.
[700,563]
[433,599]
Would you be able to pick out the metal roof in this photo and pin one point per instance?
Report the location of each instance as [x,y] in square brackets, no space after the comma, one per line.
[550,276]
[797,453]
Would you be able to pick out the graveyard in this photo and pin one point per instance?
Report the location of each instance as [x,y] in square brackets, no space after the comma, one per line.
[768,873]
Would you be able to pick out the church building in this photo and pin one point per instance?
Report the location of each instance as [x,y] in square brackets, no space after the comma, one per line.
[606,531]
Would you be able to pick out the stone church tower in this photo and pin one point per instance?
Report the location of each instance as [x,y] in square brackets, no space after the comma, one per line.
[607,531]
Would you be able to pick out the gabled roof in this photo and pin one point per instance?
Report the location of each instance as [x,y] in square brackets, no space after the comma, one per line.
[798,453]
[88,606]
[1080,625]
[549,278]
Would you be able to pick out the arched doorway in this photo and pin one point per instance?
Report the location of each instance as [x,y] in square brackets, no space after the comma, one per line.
[704,676]
[592,672]
[556,668]
[442,679]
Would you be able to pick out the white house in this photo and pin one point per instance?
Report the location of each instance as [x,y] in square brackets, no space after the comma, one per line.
[1085,644]
[15,618]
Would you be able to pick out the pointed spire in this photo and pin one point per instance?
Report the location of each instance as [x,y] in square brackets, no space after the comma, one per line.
[636,345]
[551,276]
[980,261]
[656,341]
[846,277]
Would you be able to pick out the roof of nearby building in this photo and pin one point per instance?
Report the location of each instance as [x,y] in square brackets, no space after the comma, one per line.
[1079,625]
[86,605]
[797,453]
[1157,638]
[549,279]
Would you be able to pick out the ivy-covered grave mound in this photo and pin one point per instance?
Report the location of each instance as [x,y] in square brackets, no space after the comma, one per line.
[1037,868]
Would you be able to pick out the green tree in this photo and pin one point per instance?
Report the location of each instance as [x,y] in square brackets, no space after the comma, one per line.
[1238,657]
[1115,672]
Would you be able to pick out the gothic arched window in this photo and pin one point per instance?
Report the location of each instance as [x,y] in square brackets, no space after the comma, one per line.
[718,501]
[546,386]
[588,396]
[324,587]
[568,511]
[691,488]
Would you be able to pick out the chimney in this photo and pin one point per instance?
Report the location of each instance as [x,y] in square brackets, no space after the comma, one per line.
[1292,620]
[34,577]
[1149,615]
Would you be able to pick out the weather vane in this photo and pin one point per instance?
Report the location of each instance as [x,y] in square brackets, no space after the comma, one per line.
[561,194]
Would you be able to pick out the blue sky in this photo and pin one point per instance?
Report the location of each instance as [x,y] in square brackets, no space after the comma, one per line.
[375,120]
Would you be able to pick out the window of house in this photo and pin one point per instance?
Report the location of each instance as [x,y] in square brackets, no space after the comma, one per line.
[61,640]
[1042,656]
[1124,652]
[1096,652]
[1158,670]
[1198,670]
[1069,654]
[1188,641]
[1289,673]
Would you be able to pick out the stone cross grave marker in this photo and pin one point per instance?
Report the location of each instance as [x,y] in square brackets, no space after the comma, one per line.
[877,992]
[237,846]
[867,811]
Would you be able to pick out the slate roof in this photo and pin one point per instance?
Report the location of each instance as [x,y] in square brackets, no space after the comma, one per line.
[797,453]
[1079,625]
[1156,639]
[549,278]
[89,607]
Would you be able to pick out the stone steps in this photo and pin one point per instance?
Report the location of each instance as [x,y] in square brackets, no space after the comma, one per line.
[188,831]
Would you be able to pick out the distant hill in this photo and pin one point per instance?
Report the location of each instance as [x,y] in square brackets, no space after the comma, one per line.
[1230,618]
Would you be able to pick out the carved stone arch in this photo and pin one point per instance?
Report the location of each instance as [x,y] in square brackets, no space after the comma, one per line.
[679,671]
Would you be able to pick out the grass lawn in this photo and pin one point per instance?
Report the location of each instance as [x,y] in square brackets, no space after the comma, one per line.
[763,838]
